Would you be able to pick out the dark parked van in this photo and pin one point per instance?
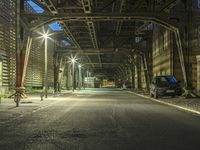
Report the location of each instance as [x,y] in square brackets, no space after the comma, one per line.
[165,86]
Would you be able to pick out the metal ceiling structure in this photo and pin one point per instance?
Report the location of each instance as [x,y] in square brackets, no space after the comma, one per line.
[107,31]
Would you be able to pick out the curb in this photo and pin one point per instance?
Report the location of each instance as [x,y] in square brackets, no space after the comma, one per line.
[166,103]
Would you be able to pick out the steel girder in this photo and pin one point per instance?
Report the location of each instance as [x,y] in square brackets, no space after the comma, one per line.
[52,8]
[91,26]
[119,23]
[163,19]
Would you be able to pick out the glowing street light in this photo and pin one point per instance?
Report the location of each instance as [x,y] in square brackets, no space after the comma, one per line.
[45,36]
[73,60]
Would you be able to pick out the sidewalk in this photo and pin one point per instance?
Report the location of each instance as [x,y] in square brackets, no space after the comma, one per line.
[9,111]
[189,104]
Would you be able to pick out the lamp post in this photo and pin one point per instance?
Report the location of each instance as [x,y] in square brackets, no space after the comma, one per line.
[87,79]
[73,63]
[80,78]
[45,36]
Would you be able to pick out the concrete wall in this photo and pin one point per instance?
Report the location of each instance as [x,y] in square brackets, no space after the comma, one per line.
[7,45]
[195,47]
[198,74]
[162,58]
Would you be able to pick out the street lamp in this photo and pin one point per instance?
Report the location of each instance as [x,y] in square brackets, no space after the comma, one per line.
[45,36]
[73,62]
[80,78]
[87,79]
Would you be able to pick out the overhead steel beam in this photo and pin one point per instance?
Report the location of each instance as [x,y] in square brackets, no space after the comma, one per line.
[162,19]
[49,4]
[86,6]
[107,63]
[119,23]
[69,34]
[100,16]
[141,28]
[91,27]
[41,4]
[169,4]
[92,33]
[104,50]
[137,4]
[85,53]
[69,8]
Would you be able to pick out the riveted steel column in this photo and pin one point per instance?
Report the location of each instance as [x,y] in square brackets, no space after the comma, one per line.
[138,67]
[79,77]
[21,58]
[133,75]
[146,71]
[55,72]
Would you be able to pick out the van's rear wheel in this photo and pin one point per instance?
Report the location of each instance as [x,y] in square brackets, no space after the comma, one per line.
[155,95]
[151,95]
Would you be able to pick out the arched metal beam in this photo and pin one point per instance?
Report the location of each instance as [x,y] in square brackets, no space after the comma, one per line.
[161,19]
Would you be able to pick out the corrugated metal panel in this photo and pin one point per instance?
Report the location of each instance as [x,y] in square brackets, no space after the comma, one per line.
[7,41]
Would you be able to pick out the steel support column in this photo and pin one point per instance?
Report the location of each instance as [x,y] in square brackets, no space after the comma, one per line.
[138,70]
[22,55]
[80,77]
[133,74]
[69,76]
[146,71]
[57,61]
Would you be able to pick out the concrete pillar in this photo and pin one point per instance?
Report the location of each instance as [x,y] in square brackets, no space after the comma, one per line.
[198,74]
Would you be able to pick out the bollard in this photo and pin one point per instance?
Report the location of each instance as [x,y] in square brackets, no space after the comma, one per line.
[42,96]
[17,99]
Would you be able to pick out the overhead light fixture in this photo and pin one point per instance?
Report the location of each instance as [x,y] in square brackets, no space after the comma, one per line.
[45,35]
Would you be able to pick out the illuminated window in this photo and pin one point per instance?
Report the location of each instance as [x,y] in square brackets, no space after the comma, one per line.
[166,39]
[161,43]
[138,39]
[156,47]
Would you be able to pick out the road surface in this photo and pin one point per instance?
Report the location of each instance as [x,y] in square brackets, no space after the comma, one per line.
[102,119]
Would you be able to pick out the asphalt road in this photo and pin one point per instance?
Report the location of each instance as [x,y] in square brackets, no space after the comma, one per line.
[102,119]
